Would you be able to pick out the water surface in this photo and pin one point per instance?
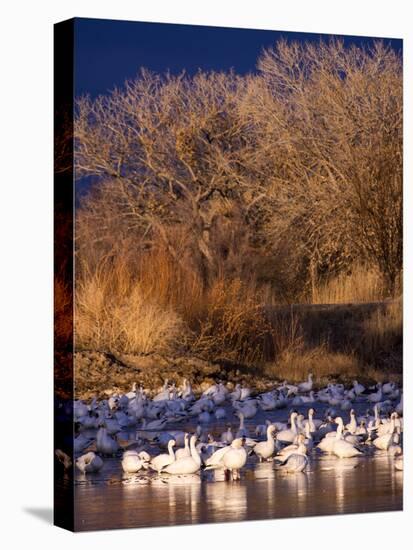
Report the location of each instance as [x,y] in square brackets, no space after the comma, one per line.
[112,499]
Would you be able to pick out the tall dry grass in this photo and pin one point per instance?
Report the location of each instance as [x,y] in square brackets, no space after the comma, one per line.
[383,330]
[115,313]
[157,304]
[361,284]
[233,325]
[322,363]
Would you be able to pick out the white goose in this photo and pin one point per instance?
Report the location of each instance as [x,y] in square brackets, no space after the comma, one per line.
[81,442]
[89,462]
[227,436]
[352,425]
[265,449]
[358,388]
[164,394]
[284,453]
[231,459]
[187,465]
[389,387]
[163,459]
[186,451]
[377,396]
[268,402]
[288,436]
[105,444]
[132,461]
[343,448]
[384,441]
[187,392]
[247,408]
[295,462]
[306,386]
[219,396]
[313,423]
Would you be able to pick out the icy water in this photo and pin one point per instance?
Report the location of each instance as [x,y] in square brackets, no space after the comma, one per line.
[112,499]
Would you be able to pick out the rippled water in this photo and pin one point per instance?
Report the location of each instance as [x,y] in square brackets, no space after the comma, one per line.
[112,499]
[332,486]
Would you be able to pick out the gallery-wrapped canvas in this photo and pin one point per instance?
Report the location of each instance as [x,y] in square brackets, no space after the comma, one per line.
[228,274]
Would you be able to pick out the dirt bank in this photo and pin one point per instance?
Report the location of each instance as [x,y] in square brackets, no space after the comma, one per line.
[98,373]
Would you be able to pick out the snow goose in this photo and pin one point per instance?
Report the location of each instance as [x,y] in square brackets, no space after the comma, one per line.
[384,441]
[227,436]
[313,423]
[267,401]
[303,399]
[214,460]
[358,388]
[186,465]
[306,386]
[231,458]
[261,429]
[187,394]
[162,460]
[295,462]
[352,425]
[81,442]
[287,436]
[376,396]
[220,395]
[236,394]
[186,451]
[89,421]
[164,394]
[132,394]
[132,461]
[388,388]
[89,462]
[284,453]
[247,408]
[105,444]
[137,407]
[343,448]
[265,449]
[124,419]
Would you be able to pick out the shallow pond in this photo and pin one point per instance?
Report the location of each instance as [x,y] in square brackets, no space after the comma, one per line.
[112,499]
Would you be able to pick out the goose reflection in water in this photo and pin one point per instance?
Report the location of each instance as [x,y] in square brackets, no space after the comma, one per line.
[340,491]
[331,462]
[182,495]
[297,486]
[264,470]
[226,501]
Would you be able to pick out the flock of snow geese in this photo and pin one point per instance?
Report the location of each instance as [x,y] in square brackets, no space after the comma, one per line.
[341,431]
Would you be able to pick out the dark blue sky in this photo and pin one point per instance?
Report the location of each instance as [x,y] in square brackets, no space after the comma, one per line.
[108,52]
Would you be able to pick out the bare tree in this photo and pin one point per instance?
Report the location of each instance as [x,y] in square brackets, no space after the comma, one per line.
[172,150]
[300,165]
[329,122]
